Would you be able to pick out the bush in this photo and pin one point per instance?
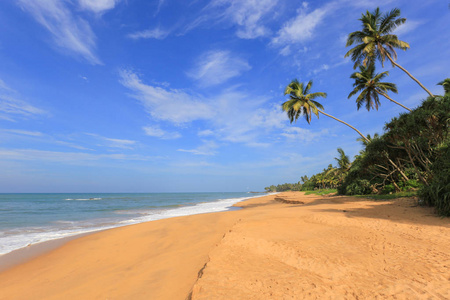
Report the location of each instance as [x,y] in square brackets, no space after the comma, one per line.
[359,187]
[389,188]
[437,193]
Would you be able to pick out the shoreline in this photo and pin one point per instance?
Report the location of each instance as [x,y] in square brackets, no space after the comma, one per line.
[39,247]
[217,255]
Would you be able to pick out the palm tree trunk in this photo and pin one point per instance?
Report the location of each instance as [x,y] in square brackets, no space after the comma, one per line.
[389,98]
[345,124]
[409,74]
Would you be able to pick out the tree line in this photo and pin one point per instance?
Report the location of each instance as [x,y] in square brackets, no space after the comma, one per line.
[414,150]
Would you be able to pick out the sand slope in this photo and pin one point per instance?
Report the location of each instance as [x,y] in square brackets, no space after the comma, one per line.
[325,248]
[331,248]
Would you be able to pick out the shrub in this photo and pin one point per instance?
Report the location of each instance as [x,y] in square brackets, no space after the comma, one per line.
[359,187]
[389,188]
[437,193]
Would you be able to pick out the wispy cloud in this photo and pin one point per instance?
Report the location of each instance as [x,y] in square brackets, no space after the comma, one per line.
[230,115]
[155,33]
[156,131]
[160,5]
[23,132]
[249,16]
[302,27]
[301,134]
[166,104]
[207,148]
[216,67]
[12,108]
[71,34]
[113,142]
[98,6]
[64,157]
[407,27]
[205,132]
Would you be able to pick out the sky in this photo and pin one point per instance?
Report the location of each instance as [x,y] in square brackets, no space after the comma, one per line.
[185,96]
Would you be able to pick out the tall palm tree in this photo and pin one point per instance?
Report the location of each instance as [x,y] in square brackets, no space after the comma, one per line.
[446,84]
[376,42]
[369,85]
[301,102]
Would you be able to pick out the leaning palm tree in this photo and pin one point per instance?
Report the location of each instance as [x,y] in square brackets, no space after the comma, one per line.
[376,42]
[369,85]
[446,84]
[301,102]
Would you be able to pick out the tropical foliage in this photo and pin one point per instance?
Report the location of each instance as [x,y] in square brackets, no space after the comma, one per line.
[375,42]
[301,102]
[413,153]
[368,84]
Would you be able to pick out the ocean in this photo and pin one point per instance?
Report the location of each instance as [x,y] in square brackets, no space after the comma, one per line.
[33,218]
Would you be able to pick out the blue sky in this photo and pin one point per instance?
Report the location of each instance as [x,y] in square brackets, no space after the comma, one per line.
[165,95]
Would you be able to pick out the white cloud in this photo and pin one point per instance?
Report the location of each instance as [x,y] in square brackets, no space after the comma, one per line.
[156,33]
[301,134]
[160,4]
[208,148]
[216,67]
[171,105]
[286,50]
[323,67]
[114,143]
[408,26]
[229,115]
[98,6]
[12,108]
[249,16]
[300,28]
[23,132]
[206,132]
[71,34]
[156,131]
[64,157]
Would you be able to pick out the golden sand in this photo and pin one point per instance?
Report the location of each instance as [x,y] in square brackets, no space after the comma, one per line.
[299,247]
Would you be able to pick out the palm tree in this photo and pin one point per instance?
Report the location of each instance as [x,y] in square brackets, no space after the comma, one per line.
[301,102]
[343,160]
[368,83]
[446,84]
[375,41]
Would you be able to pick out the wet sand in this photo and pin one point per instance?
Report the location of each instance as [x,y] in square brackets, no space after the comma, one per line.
[295,247]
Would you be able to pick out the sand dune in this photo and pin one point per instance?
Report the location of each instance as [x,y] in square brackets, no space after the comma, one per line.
[303,247]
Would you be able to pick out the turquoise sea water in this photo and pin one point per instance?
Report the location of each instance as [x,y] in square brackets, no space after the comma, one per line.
[32,218]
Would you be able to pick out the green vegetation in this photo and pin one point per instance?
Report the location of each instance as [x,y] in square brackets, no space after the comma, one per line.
[301,102]
[376,42]
[321,192]
[411,157]
[389,196]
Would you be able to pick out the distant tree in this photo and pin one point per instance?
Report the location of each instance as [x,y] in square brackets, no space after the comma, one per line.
[369,85]
[301,102]
[376,42]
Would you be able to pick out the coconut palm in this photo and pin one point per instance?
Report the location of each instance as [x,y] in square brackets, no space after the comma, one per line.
[301,102]
[343,160]
[376,42]
[446,84]
[369,85]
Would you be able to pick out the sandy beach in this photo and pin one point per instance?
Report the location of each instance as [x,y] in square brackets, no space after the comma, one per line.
[284,246]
